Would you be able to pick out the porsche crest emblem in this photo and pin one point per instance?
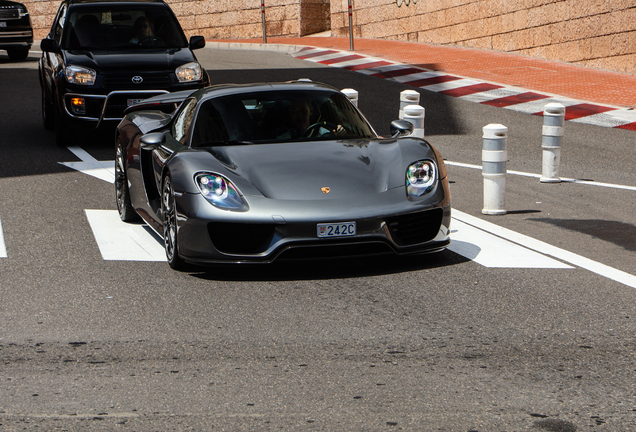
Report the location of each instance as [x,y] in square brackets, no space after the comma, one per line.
[325,189]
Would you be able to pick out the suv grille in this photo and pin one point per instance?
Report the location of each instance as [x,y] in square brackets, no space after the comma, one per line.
[9,13]
[154,81]
[414,228]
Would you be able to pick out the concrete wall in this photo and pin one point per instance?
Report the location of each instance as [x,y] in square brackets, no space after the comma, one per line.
[595,33]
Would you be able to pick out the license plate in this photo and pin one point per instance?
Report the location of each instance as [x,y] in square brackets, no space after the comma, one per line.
[3,24]
[340,229]
[130,102]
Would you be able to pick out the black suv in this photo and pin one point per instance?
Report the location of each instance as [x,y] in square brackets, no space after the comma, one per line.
[104,56]
[16,31]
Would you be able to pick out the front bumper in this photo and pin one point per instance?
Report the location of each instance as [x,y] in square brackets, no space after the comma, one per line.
[98,108]
[274,230]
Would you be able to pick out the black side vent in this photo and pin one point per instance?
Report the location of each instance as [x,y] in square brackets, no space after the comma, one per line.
[415,228]
[237,238]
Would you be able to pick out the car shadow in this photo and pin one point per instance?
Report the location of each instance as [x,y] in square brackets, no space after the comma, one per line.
[328,268]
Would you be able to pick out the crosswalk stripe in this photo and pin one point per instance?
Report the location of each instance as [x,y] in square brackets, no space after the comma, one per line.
[121,241]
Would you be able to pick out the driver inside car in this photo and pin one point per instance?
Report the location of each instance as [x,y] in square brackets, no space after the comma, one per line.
[144,31]
[300,115]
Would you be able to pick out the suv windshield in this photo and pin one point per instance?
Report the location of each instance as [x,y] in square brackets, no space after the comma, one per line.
[111,28]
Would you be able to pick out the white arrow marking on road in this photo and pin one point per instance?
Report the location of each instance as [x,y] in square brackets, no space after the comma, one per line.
[103,170]
[3,249]
[123,241]
[547,249]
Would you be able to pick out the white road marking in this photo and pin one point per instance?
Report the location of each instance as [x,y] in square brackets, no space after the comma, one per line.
[547,249]
[122,241]
[494,252]
[563,179]
[3,249]
[103,170]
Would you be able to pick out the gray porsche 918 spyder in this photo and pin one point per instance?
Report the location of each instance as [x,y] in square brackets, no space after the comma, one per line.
[261,172]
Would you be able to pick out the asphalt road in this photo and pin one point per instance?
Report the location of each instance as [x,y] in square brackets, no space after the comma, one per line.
[432,343]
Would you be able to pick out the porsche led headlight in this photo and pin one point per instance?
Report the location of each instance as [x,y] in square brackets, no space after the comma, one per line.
[80,75]
[421,178]
[189,72]
[219,191]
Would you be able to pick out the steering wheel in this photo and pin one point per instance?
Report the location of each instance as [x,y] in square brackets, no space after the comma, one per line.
[150,40]
[332,127]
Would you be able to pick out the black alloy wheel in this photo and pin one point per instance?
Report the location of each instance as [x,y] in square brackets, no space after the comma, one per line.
[170,229]
[126,211]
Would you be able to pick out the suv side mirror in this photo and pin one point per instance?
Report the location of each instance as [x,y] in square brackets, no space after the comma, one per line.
[401,128]
[49,45]
[197,42]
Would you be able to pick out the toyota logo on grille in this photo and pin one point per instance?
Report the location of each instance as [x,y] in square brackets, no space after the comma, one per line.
[137,79]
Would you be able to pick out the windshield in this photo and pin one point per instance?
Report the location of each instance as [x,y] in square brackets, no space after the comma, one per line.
[278,116]
[114,28]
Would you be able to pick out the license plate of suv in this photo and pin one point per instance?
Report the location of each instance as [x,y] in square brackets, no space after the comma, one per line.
[131,102]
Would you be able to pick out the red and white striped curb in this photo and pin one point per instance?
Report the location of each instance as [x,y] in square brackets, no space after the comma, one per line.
[511,98]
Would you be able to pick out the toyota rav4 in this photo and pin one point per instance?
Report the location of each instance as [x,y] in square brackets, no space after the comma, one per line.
[104,56]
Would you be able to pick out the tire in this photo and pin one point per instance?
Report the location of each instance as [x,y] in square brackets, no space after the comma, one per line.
[126,211]
[64,136]
[48,112]
[170,228]
[17,54]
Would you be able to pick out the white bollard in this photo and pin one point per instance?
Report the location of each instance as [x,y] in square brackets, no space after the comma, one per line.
[408,97]
[553,121]
[352,95]
[415,114]
[494,157]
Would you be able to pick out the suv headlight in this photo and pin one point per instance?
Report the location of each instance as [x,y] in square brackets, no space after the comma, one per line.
[220,192]
[80,75]
[421,178]
[189,72]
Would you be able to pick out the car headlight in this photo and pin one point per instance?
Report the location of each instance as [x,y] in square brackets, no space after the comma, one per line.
[189,72]
[220,192]
[80,75]
[421,178]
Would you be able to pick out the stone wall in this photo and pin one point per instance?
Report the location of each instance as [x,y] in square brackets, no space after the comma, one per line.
[595,33]
[222,19]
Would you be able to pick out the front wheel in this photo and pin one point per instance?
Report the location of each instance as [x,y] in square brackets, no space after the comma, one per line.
[64,135]
[126,211]
[170,228]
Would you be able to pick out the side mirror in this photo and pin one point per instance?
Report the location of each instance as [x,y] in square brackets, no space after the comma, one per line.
[152,140]
[401,128]
[49,45]
[197,42]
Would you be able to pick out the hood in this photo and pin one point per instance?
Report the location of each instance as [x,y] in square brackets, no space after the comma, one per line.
[300,171]
[120,60]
